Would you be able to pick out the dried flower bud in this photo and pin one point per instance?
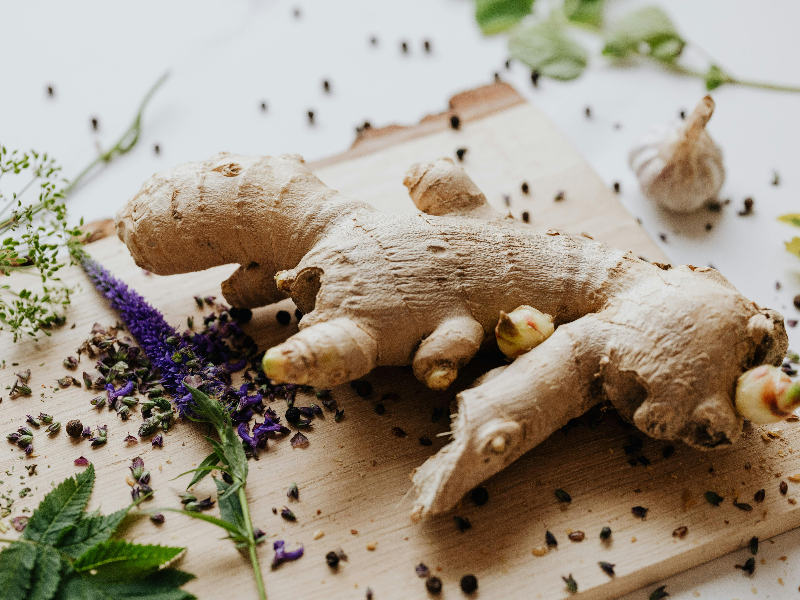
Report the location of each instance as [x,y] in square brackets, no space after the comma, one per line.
[137,468]
[521,330]
[766,395]
[32,421]
[71,363]
[54,427]
[47,419]
[24,440]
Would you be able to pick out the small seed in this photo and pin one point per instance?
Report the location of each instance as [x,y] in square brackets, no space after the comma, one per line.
[576,536]
[524,187]
[783,487]
[433,585]
[469,583]
[460,154]
[455,122]
[526,217]
[759,495]
[607,568]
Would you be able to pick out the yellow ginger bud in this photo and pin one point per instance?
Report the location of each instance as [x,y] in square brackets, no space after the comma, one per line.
[521,330]
[766,395]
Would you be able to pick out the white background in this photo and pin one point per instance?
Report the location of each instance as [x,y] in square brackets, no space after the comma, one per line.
[227,58]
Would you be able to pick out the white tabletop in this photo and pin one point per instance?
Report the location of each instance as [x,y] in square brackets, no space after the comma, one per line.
[227,58]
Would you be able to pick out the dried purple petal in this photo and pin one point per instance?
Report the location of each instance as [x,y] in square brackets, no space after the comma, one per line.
[299,440]
[130,439]
[422,570]
[288,514]
[640,512]
[158,441]
[28,449]
[338,416]
[81,462]
[125,390]
[282,555]
[19,523]
[157,518]
[87,431]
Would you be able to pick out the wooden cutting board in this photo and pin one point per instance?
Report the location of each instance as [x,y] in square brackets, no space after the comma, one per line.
[354,476]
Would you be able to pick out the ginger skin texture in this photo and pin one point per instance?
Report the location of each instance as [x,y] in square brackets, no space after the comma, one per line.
[665,345]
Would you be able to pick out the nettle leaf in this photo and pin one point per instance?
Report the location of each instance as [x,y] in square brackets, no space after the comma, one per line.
[585,11]
[646,31]
[229,527]
[118,560]
[495,16]
[16,566]
[791,219]
[90,531]
[794,246]
[61,508]
[230,509]
[545,48]
[203,468]
[47,574]
[163,585]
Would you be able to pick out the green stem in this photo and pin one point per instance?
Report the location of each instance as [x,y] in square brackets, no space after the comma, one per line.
[764,85]
[251,543]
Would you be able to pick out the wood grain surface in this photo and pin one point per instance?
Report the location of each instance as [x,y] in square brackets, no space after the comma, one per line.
[354,475]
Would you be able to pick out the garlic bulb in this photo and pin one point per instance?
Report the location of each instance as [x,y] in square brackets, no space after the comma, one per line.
[678,164]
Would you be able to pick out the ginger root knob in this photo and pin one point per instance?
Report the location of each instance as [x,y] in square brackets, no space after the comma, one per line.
[766,395]
[522,330]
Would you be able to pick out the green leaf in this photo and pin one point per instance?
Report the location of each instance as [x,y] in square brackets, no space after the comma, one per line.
[495,16]
[118,560]
[163,585]
[209,461]
[229,527]
[47,574]
[16,565]
[90,531]
[794,246]
[791,219]
[61,508]
[230,509]
[545,48]
[585,11]
[647,31]
[716,77]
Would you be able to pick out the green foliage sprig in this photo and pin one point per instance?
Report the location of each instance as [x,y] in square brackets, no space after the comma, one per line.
[64,553]
[792,246]
[546,46]
[36,240]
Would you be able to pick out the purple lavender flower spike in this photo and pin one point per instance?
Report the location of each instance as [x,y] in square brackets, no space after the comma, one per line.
[282,555]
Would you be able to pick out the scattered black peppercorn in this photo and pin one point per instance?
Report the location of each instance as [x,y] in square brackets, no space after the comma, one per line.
[783,487]
[293,414]
[157,149]
[550,539]
[404,47]
[243,315]
[663,237]
[563,496]
[427,46]
[535,78]
[524,187]
[460,154]
[433,585]
[332,559]
[616,187]
[362,388]
[326,86]
[455,122]
[588,112]
[749,566]
[753,545]
[95,123]
[640,512]
[605,534]
[380,409]
[283,317]
[399,432]
[667,451]
[469,583]
[748,208]
[480,496]
[713,498]
[526,217]
[310,117]
[425,441]
[607,568]
[759,495]
[709,226]
[74,428]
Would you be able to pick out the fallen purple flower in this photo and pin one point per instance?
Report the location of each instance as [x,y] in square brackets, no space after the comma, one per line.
[81,462]
[87,432]
[131,439]
[282,555]
[158,441]
[299,440]
[20,523]
[125,390]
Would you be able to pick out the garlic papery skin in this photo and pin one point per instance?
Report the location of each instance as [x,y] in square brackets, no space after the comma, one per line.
[678,164]
[521,330]
[766,395]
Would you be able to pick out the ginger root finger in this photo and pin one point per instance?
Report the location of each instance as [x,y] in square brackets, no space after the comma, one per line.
[501,419]
[766,395]
[446,350]
[251,286]
[324,355]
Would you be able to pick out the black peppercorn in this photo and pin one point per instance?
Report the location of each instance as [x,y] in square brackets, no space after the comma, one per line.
[380,409]
[480,496]
[293,414]
[526,217]
[460,154]
[283,317]
[469,583]
[332,559]
[616,187]
[362,388]
[524,187]
[74,428]
[404,47]
[433,585]
[455,122]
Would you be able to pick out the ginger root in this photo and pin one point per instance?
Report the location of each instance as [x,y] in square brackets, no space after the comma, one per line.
[664,344]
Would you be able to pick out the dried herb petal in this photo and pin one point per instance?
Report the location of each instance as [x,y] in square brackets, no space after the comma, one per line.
[607,568]
[713,498]
[659,593]
[563,496]
[640,512]
[572,585]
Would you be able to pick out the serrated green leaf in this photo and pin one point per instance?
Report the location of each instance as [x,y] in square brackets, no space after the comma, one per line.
[230,509]
[118,560]
[794,246]
[61,508]
[163,585]
[545,48]
[90,531]
[208,409]
[209,461]
[585,11]
[646,31]
[229,527]
[495,16]
[16,566]
[47,574]
[791,219]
